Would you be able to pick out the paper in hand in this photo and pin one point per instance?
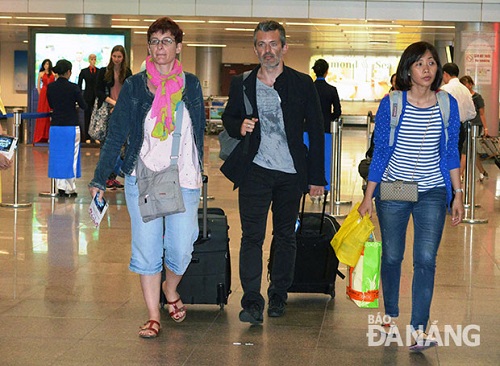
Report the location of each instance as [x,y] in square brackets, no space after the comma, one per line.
[97,209]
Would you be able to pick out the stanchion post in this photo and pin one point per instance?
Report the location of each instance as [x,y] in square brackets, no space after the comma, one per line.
[338,164]
[52,192]
[468,167]
[368,129]
[472,172]
[16,204]
[335,171]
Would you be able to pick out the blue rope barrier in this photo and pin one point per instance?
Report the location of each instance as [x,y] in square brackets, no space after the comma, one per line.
[35,115]
[27,115]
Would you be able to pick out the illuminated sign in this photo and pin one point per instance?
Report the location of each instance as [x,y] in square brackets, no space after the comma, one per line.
[359,78]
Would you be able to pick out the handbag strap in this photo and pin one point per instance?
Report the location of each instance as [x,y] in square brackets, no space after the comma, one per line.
[249,113]
[179,116]
[174,155]
[421,146]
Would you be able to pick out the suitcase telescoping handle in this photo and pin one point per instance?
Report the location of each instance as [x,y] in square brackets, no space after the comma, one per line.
[302,208]
[205,206]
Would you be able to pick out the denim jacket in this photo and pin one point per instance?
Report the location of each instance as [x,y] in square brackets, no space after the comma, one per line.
[126,124]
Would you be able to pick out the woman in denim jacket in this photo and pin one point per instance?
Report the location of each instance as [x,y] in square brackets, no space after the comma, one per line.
[144,118]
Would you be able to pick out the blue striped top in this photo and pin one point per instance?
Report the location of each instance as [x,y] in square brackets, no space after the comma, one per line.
[416,153]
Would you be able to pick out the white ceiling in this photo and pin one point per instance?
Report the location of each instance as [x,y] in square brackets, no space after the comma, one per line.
[331,35]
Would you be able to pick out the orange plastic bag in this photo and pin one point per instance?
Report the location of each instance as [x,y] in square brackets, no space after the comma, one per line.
[349,241]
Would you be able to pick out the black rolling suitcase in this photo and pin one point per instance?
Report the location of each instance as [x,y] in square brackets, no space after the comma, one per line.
[316,265]
[208,277]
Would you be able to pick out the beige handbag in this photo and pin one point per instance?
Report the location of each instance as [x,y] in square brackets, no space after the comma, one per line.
[401,190]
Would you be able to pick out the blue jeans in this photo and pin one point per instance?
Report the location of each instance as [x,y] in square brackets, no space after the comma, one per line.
[429,214]
[174,234]
[261,188]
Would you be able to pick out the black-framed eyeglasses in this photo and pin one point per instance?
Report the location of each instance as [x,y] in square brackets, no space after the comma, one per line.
[165,41]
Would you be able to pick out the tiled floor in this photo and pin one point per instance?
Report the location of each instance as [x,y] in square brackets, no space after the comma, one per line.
[68,298]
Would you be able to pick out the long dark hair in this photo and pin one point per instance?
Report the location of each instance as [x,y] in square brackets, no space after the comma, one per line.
[109,75]
[412,54]
[50,66]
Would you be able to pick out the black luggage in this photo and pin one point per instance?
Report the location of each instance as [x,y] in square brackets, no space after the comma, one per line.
[208,277]
[316,265]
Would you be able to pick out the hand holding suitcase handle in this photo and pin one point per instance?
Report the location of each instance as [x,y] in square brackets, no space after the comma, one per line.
[302,209]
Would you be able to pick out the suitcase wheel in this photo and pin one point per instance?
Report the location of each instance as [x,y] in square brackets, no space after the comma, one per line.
[221,295]
[331,290]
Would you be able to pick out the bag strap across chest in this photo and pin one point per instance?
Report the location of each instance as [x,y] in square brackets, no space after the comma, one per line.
[396,104]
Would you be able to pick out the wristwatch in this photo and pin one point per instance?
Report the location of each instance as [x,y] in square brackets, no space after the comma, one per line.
[458,190]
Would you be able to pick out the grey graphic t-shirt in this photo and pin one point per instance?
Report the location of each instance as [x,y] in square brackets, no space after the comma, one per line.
[273,150]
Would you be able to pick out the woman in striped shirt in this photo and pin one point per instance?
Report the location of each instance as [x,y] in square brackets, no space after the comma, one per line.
[422,152]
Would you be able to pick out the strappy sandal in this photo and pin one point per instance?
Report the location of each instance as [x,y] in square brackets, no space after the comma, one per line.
[177,310]
[149,326]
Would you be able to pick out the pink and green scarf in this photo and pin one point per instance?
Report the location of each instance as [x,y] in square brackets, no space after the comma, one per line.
[168,94]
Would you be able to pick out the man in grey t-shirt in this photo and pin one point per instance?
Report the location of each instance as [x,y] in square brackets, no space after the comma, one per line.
[271,167]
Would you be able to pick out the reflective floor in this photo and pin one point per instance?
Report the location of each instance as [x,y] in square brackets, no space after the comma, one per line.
[68,298]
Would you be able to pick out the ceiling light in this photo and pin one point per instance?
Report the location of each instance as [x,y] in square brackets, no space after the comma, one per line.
[431,26]
[125,20]
[178,20]
[372,25]
[240,29]
[371,32]
[313,24]
[131,26]
[205,45]
[41,18]
[229,22]
[25,25]
[189,21]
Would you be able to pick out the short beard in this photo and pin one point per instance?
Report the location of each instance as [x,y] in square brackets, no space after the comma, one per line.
[270,66]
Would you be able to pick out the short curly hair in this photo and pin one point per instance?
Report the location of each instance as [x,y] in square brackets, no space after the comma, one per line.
[164,25]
